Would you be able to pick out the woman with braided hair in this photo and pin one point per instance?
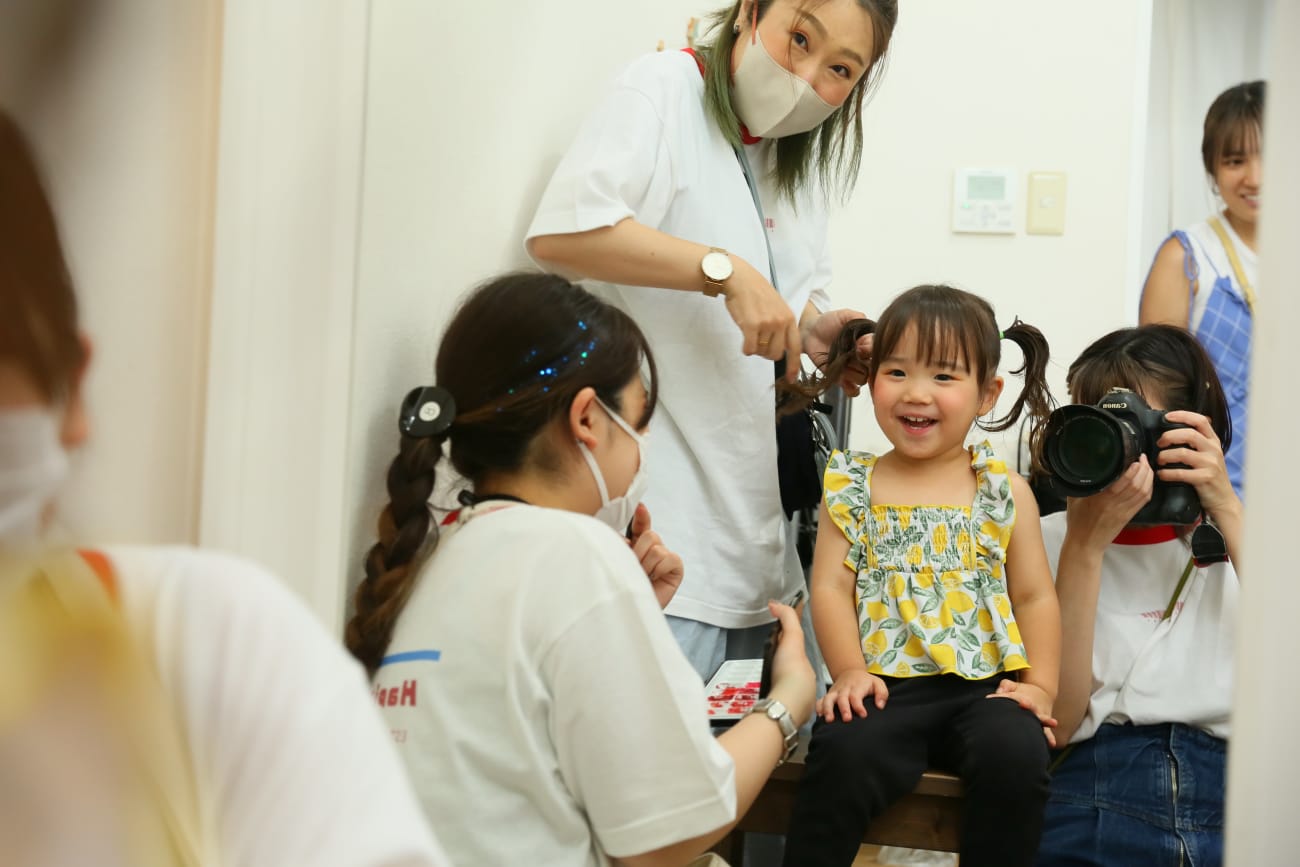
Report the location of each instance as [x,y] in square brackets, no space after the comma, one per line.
[520,655]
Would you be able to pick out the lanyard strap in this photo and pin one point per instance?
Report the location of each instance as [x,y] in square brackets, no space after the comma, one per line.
[1182,582]
[1230,248]
[762,225]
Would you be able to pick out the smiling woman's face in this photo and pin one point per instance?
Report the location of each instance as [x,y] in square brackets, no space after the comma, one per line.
[828,44]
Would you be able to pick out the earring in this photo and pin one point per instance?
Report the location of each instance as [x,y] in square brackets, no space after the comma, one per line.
[735,29]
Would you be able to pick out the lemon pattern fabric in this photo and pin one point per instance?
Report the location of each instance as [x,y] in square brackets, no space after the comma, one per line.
[931,588]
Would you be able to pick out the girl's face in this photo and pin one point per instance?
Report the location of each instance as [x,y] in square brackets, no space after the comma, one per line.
[926,408]
[1237,178]
[826,44]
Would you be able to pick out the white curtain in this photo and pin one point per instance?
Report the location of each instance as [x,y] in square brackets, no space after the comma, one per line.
[1199,48]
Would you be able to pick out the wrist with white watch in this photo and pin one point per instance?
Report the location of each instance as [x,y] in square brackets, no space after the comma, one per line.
[717,269]
[775,711]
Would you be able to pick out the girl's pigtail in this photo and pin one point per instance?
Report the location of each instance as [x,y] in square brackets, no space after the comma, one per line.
[404,527]
[1035,395]
[841,356]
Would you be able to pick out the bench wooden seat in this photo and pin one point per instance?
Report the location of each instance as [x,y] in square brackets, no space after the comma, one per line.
[927,818]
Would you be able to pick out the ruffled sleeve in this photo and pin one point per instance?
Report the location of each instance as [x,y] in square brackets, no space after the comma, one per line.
[847,498]
[994,514]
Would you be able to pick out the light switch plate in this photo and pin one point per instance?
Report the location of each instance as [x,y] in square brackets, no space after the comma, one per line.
[1045,211]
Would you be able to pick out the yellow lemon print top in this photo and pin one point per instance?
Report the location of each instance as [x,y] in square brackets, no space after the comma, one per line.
[931,589]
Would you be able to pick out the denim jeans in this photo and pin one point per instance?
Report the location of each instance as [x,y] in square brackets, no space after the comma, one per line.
[1147,796]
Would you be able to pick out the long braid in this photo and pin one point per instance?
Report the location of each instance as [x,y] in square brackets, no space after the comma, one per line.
[404,527]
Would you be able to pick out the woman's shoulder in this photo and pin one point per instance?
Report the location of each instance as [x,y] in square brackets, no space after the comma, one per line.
[663,74]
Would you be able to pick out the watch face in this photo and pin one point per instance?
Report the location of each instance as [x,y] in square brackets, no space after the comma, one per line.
[716,266]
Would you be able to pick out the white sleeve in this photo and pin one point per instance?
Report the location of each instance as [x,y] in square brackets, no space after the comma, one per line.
[821,279]
[630,730]
[292,761]
[618,166]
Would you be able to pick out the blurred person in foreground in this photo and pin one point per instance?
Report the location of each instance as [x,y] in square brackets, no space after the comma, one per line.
[157,705]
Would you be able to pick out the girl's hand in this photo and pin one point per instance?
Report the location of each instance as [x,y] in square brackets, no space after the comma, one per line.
[662,566]
[1031,698]
[764,318]
[1099,518]
[817,340]
[847,693]
[793,681]
[1199,448]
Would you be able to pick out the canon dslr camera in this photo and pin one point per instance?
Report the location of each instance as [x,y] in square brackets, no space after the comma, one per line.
[1085,448]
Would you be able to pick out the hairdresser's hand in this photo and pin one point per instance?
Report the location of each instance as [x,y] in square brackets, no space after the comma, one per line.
[1198,446]
[766,322]
[1032,698]
[846,695]
[662,566]
[1097,520]
[821,334]
[793,681]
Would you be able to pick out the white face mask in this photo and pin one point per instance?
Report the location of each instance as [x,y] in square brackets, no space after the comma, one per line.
[618,512]
[33,466]
[773,101]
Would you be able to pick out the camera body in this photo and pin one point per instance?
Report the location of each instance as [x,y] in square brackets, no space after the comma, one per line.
[1085,448]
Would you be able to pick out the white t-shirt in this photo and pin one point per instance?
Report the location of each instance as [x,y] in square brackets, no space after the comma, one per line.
[291,763]
[1146,670]
[649,151]
[544,711]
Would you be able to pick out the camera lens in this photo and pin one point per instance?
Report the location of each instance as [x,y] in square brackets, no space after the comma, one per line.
[1086,448]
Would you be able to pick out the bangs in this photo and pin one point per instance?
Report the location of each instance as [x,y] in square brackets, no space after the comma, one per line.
[1241,139]
[949,328]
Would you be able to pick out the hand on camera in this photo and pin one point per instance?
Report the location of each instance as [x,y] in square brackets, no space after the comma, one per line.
[765,320]
[1032,698]
[793,681]
[1099,518]
[817,342]
[663,567]
[1199,448]
[848,693]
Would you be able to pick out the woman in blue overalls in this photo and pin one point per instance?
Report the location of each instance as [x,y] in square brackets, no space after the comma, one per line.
[1203,277]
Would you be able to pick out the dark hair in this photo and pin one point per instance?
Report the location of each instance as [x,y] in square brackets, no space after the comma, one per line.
[38,326]
[1151,358]
[549,340]
[1233,124]
[951,326]
[835,147]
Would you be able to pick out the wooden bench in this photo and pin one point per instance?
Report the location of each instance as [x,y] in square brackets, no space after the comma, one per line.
[927,818]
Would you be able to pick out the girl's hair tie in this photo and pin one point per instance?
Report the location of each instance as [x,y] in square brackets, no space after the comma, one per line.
[426,412]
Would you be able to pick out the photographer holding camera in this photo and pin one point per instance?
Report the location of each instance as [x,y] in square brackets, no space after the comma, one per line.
[1147,625]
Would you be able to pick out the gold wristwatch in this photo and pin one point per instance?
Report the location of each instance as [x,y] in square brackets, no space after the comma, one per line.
[717,268]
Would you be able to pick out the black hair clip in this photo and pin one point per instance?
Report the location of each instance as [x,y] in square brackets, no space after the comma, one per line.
[427,411]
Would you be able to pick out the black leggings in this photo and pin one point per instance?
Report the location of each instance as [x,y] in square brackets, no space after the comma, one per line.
[857,769]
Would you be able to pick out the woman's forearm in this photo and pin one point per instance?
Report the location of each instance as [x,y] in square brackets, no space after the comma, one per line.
[628,252]
[1078,585]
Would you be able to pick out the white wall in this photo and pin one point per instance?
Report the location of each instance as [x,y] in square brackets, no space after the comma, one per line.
[123,121]
[1264,761]
[1025,84]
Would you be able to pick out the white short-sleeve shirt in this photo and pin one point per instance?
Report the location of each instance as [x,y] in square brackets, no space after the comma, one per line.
[291,761]
[650,152]
[1146,670]
[542,707]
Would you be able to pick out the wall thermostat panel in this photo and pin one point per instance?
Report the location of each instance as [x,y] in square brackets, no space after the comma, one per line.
[983,201]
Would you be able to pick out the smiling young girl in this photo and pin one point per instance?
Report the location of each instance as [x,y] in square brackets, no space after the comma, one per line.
[931,594]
